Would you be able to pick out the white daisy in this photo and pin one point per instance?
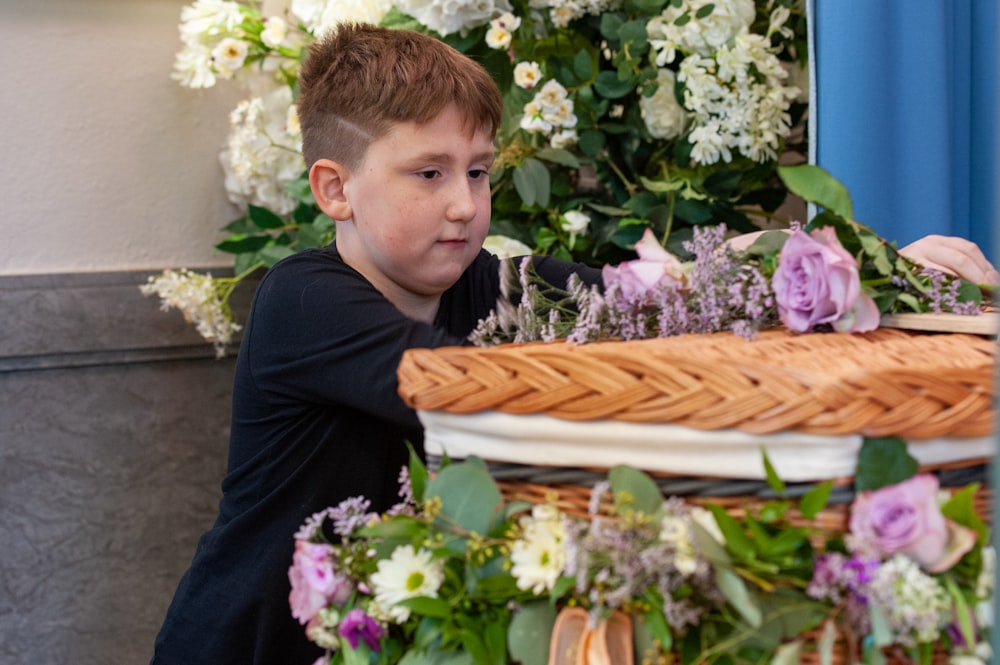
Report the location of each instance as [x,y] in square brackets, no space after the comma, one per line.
[406,574]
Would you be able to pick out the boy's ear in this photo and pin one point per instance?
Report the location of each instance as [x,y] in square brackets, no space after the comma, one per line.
[326,179]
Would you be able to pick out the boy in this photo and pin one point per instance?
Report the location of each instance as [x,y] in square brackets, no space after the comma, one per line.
[398,133]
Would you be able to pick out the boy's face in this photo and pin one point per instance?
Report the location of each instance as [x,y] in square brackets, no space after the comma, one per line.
[419,208]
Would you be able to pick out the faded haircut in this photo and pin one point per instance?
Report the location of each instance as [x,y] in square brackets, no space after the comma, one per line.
[360,80]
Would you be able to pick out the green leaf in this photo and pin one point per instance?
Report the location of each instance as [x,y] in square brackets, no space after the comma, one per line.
[415,657]
[359,656]
[275,253]
[592,142]
[827,640]
[789,653]
[240,243]
[474,646]
[533,182]
[737,541]
[881,633]
[264,218]
[883,462]
[559,156]
[774,481]
[815,499]
[961,509]
[418,474]
[609,86]
[649,626]
[530,632]
[816,185]
[428,607]
[645,495]
[468,494]
[583,65]
[735,590]
[877,252]
[705,11]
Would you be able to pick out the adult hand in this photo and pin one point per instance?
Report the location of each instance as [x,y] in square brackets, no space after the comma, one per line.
[957,256]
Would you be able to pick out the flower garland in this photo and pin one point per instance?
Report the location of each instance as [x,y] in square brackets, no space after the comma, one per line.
[807,279]
[455,574]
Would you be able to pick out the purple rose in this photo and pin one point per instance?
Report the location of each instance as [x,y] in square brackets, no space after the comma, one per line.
[906,519]
[817,282]
[654,266]
[357,626]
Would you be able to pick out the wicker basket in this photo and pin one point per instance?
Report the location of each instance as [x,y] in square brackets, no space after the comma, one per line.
[885,383]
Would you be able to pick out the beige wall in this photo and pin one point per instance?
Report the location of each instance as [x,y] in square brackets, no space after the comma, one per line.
[108,164]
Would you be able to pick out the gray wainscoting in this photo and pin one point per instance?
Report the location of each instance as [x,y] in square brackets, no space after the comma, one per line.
[114,422]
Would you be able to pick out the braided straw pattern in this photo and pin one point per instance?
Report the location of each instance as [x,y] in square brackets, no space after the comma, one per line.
[887,382]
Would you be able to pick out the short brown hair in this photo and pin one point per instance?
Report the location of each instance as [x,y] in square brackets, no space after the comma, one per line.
[359,80]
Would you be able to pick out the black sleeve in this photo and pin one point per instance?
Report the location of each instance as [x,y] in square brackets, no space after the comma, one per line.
[322,334]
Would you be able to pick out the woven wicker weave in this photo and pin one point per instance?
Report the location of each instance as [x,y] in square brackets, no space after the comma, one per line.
[887,382]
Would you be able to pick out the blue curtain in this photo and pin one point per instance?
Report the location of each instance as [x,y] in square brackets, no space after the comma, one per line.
[904,112]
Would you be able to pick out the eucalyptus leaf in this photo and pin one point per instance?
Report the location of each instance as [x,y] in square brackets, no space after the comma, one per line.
[533,182]
[735,591]
[559,156]
[469,496]
[645,495]
[816,185]
[530,632]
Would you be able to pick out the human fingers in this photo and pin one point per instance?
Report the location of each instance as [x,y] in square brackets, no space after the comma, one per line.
[950,254]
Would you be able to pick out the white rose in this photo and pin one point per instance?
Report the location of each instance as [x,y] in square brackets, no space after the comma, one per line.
[564,138]
[527,74]
[274,32]
[504,247]
[498,37]
[665,117]
[229,55]
[575,222]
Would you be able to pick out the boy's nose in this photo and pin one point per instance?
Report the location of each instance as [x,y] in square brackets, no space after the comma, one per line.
[462,207]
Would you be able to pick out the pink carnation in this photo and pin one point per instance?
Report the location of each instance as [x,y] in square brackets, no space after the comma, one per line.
[817,282]
[314,581]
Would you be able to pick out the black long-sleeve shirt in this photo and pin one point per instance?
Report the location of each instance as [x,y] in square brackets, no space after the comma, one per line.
[316,419]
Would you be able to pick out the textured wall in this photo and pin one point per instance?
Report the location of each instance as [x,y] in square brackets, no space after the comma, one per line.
[114,423]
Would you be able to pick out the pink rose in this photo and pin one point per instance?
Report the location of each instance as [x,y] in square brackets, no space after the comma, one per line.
[817,282]
[906,519]
[654,266]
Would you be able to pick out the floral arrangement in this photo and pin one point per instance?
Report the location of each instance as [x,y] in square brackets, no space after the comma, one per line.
[833,274]
[619,115]
[455,574]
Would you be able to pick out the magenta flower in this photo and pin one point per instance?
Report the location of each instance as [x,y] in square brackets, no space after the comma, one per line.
[314,581]
[654,266]
[357,626]
[906,519]
[817,282]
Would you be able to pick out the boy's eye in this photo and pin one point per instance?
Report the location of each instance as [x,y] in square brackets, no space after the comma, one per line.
[476,174]
[429,174]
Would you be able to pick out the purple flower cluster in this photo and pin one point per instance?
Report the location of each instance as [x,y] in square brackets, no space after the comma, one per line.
[843,580]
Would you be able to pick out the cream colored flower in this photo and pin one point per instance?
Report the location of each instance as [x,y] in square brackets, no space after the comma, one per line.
[193,67]
[664,116]
[527,74]
[564,138]
[275,32]
[504,247]
[406,574]
[229,55]
[551,96]
[575,222]
[498,37]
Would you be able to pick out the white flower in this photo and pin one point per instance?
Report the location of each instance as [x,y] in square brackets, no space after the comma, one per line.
[229,55]
[262,155]
[193,67]
[406,574]
[575,222]
[562,114]
[200,299]
[504,247]
[498,37]
[664,116]
[551,96]
[292,124]
[318,16]
[204,20]
[527,74]
[275,32]
[539,555]
[507,21]
[448,16]
[564,138]
[704,35]
[533,120]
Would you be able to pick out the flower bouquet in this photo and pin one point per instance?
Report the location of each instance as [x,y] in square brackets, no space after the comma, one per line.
[457,574]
